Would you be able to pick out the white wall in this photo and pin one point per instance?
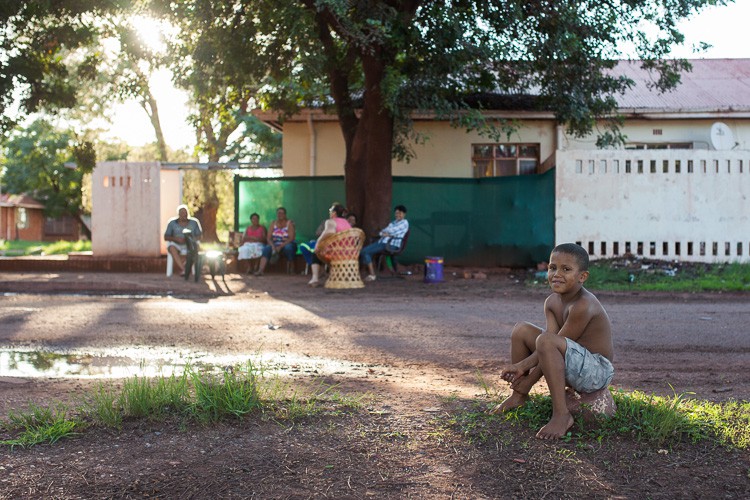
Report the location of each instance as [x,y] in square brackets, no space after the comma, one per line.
[679,204]
[170,196]
[696,131]
[126,208]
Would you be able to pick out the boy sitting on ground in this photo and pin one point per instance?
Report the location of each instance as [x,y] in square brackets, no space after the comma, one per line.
[575,349]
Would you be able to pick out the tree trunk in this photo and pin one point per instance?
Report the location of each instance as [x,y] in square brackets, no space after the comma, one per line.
[369,174]
[152,110]
[210,206]
[207,215]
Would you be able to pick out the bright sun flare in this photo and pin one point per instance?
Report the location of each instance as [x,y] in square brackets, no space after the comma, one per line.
[150,32]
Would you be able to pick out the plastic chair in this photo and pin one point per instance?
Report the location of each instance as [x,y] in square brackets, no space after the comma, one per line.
[170,262]
[341,252]
[393,255]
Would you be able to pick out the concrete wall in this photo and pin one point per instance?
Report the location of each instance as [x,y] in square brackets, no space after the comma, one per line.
[683,205]
[130,208]
[170,196]
[695,131]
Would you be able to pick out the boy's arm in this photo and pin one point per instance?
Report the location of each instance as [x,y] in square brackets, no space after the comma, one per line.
[579,316]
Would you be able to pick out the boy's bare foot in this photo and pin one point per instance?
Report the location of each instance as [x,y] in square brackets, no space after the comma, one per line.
[556,428]
[514,401]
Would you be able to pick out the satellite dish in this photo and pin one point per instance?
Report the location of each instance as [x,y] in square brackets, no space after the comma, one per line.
[722,138]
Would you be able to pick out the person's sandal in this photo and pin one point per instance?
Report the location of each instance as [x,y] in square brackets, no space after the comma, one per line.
[371,277]
[257,273]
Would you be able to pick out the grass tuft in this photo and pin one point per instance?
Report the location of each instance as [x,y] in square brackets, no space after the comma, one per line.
[153,399]
[234,394]
[41,425]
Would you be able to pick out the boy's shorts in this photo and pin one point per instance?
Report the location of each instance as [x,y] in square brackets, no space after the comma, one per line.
[584,371]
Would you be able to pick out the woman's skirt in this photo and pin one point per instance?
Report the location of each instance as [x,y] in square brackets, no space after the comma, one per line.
[250,251]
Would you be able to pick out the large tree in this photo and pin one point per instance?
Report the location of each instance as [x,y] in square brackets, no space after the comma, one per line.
[222,95]
[35,35]
[375,62]
[49,164]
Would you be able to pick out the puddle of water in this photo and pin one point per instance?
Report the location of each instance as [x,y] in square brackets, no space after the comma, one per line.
[147,362]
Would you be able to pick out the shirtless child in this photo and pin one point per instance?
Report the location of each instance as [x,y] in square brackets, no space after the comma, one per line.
[575,349]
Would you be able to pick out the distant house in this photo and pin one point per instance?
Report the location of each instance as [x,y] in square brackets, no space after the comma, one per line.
[675,190]
[715,90]
[22,218]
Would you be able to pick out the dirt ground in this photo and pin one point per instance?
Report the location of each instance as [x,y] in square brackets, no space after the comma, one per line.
[421,353]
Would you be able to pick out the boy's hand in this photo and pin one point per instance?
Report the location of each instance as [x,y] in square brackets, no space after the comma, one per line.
[511,373]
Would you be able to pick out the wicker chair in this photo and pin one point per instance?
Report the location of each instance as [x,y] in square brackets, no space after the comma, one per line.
[341,252]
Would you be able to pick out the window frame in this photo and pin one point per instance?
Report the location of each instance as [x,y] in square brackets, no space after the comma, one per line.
[498,159]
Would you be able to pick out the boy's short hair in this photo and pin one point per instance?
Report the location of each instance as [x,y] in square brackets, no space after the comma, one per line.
[577,251]
[400,208]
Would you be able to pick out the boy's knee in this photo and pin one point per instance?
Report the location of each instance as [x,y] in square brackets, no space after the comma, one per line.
[523,329]
[546,341]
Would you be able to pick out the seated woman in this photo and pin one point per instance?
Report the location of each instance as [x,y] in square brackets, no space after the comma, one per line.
[308,249]
[280,241]
[176,239]
[335,224]
[390,238]
[253,241]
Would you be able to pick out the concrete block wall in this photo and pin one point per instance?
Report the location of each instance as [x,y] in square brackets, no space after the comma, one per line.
[687,205]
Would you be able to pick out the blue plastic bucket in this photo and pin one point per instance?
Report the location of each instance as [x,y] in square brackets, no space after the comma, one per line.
[433,270]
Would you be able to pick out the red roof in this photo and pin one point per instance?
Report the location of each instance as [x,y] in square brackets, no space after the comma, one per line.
[19,200]
[714,85]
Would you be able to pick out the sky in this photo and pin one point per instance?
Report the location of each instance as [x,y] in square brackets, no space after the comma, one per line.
[722,27]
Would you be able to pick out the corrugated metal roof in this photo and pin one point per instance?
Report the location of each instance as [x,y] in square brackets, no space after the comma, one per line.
[19,200]
[712,85]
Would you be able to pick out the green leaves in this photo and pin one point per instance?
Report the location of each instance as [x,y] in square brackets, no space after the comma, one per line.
[36,161]
[34,36]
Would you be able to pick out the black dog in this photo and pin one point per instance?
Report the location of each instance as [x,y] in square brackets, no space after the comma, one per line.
[216,264]
[194,261]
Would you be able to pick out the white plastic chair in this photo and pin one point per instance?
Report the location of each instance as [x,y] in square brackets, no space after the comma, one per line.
[170,261]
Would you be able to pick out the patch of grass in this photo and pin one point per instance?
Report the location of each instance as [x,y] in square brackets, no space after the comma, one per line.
[647,275]
[19,248]
[39,425]
[104,407]
[645,418]
[235,393]
[200,396]
[153,399]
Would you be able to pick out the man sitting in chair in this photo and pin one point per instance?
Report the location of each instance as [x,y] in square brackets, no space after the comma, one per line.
[176,240]
[391,239]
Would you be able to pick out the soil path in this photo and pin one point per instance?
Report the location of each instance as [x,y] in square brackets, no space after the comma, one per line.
[410,344]
[434,337]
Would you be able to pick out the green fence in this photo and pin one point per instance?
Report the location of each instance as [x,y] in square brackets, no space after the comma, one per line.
[501,221]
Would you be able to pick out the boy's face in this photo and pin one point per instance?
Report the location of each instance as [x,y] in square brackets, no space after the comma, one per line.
[564,274]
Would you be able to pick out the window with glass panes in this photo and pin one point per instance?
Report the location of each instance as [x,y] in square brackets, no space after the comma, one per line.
[495,160]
